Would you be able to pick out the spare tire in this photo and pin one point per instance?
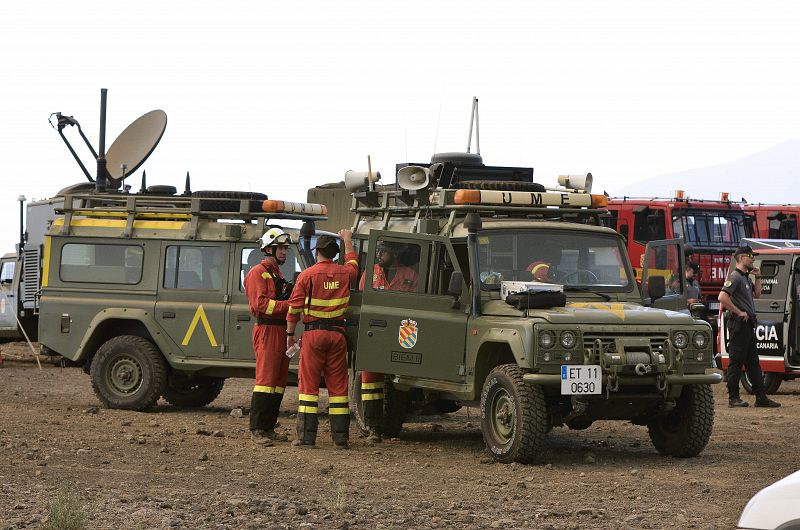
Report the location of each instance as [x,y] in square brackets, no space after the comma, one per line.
[161,189]
[499,185]
[215,200]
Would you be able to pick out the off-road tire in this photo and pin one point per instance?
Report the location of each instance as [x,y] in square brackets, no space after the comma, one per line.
[232,202]
[685,431]
[128,372]
[395,407]
[197,392]
[772,382]
[499,185]
[524,416]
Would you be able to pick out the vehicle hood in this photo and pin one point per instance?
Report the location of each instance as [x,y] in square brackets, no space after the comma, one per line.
[596,313]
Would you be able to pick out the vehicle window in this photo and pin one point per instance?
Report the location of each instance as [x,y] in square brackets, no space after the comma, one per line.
[552,256]
[395,267]
[92,263]
[441,269]
[193,267]
[649,225]
[709,228]
[664,263]
[7,272]
[251,257]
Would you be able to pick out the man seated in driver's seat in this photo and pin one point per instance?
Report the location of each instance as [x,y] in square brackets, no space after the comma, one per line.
[389,274]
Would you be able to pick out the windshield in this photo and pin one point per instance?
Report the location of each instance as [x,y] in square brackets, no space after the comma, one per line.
[713,228]
[554,256]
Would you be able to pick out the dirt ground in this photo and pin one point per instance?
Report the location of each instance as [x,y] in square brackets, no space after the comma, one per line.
[173,468]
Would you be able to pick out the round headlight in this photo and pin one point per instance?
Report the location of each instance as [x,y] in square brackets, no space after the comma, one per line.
[700,340]
[547,339]
[546,356]
[680,339]
[568,339]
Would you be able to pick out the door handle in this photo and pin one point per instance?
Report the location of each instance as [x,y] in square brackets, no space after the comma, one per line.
[377,323]
[774,305]
[242,318]
[168,314]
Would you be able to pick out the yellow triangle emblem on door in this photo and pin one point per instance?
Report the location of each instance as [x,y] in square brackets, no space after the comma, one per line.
[199,315]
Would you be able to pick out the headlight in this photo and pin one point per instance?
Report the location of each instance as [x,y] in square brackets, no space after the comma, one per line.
[568,339]
[680,339]
[547,339]
[700,340]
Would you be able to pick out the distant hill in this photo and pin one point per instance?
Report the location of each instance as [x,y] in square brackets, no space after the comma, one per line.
[769,176]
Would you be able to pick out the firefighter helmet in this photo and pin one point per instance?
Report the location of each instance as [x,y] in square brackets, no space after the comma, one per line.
[274,237]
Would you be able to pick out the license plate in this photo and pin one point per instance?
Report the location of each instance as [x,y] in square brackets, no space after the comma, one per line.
[713,305]
[581,379]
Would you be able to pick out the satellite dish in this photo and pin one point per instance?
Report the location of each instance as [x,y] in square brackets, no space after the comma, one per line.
[134,145]
[413,177]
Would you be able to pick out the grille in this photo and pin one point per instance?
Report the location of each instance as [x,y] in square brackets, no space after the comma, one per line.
[30,275]
[609,344]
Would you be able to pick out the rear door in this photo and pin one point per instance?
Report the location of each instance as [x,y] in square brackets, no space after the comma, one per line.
[417,332]
[8,296]
[772,306]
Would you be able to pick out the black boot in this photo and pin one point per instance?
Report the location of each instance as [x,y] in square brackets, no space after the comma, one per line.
[373,419]
[736,402]
[260,411]
[306,429]
[340,428]
[763,401]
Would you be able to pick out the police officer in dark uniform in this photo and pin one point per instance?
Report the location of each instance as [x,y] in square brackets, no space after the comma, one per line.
[737,297]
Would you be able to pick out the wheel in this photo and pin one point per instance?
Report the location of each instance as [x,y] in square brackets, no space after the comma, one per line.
[395,405]
[128,372]
[197,392]
[592,277]
[232,202]
[772,382]
[499,185]
[685,431]
[513,416]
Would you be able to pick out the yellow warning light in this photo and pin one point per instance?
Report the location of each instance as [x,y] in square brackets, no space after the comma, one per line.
[306,208]
[467,197]
[723,196]
[680,195]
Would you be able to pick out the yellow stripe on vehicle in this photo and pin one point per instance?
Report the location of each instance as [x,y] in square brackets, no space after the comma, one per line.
[121,223]
[329,303]
[46,265]
[308,397]
[308,410]
[371,386]
[337,399]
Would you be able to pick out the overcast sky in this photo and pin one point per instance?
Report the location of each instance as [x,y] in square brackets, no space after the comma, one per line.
[279,96]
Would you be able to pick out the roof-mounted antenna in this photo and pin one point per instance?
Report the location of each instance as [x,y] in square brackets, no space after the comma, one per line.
[188,189]
[102,173]
[144,182]
[473,120]
[369,174]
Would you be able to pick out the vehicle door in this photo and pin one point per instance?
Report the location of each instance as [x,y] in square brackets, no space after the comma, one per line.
[8,296]
[663,275]
[193,296]
[240,321]
[772,306]
[412,329]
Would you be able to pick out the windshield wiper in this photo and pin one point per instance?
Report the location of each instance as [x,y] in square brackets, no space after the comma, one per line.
[575,288]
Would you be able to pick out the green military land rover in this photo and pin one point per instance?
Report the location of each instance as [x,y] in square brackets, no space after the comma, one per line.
[512,296]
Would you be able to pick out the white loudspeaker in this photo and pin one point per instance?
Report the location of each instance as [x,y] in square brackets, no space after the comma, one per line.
[577,182]
[413,177]
[359,180]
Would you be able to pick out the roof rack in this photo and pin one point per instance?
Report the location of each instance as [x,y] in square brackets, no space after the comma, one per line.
[190,209]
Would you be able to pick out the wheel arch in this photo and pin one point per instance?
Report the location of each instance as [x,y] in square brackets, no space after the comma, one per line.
[490,355]
[105,328]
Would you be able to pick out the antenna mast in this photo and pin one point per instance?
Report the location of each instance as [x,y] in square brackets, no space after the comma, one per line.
[473,120]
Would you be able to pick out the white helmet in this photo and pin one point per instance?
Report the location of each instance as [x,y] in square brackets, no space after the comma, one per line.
[274,237]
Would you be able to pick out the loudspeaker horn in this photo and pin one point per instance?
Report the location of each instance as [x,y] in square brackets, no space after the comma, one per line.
[577,182]
[413,177]
[359,180]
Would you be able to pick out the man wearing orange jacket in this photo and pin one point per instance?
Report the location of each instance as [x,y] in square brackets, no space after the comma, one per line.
[267,294]
[321,296]
[388,274]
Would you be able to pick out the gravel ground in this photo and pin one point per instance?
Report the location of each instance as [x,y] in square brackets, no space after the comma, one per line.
[180,468]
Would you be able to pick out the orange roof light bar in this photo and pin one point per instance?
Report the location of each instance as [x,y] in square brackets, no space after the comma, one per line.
[307,208]
[467,197]
[724,196]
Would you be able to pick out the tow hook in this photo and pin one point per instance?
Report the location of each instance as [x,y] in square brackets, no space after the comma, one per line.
[642,369]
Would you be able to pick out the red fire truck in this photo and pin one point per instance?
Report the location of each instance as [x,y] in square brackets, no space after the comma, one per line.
[773,221]
[713,229]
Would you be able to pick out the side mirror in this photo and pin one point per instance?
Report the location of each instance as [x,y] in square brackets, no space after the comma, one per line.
[698,311]
[454,289]
[656,288]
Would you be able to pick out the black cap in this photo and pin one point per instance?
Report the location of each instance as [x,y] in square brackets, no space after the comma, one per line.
[744,249]
[325,241]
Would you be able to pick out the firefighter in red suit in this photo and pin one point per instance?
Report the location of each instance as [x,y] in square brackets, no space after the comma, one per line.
[268,293]
[320,297]
[390,275]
